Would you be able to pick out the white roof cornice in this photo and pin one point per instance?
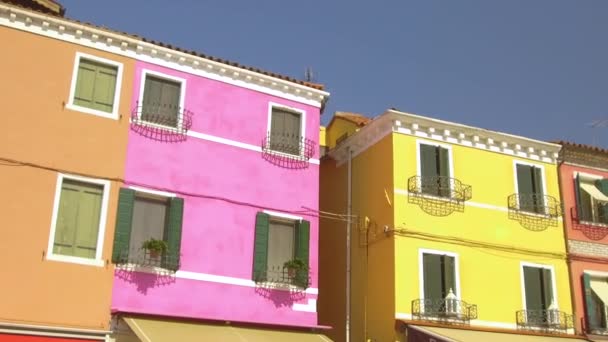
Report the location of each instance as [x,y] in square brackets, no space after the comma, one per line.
[133,47]
[393,121]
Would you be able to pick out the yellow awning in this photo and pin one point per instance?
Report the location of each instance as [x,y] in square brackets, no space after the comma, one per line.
[594,192]
[156,330]
[600,287]
[463,335]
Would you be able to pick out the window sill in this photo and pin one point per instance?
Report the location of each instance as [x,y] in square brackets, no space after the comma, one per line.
[284,154]
[77,108]
[595,224]
[143,123]
[133,267]
[281,286]
[75,260]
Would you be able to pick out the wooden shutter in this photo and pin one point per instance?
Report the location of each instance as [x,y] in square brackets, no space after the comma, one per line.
[122,233]
[85,83]
[87,229]
[547,287]
[533,289]
[173,233]
[449,275]
[105,87]
[302,250]
[95,85]
[429,169]
[577,197]
[444,171]
[260,246]
[591,319]
[433,288]
[161,101]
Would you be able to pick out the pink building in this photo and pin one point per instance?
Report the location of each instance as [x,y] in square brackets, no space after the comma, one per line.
[217,228]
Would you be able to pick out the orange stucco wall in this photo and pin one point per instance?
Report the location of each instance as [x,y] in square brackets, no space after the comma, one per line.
[38,129]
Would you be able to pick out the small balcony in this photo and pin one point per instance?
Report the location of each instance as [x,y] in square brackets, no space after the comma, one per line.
[438,195]
[592,227]
[553,321]
[534,211]
[161,122]
[147,259]
[282,277]
[289,151]
[444,310]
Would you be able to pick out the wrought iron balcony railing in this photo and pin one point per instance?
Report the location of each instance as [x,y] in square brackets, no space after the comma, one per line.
[589,225]
[291,146]
[600,219]
[162,115]
[143,258]
[440,186]
[545,320]
[284,277]
[443,309]
[535,204]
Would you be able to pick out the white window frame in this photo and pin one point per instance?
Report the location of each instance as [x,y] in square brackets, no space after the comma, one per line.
[116,105]
[421,252]
[583,176]
[302,113]
[419,143]
[98,260]
[516,183]
[523,283]
[182,96]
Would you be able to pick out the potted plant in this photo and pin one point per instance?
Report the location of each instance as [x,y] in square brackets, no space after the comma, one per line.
[293,266]
[155,247]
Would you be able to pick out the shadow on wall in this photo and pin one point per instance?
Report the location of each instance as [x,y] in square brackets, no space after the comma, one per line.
[279,295]
[144,280]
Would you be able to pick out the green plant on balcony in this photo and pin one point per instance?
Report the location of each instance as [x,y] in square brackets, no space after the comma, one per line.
[155,247]
[294,266]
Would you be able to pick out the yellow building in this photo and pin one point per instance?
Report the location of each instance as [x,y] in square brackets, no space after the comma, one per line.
[448,232]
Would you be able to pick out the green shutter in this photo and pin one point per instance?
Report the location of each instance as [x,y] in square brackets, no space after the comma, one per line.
[577,196]
[449,275]
[444,171]
[105,86]
[260,246]
[89,212]
[533,289]
[95,85]
[547,287]
[602,185]
[591,318]
[173,233]
[431,272]
[429,169]
[122,233]
[302,251]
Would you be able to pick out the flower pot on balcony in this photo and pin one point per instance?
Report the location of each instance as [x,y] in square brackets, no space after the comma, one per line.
[155,248]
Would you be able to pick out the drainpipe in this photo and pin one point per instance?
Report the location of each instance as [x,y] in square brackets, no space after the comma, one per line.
[349,208]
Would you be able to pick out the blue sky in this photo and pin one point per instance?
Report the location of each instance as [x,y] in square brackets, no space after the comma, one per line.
[537,68]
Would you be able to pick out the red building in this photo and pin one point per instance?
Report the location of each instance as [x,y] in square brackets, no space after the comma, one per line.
[584,186]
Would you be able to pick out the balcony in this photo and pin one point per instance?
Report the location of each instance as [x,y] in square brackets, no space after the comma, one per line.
[445,310]
[438,195]
[145,259]
[591,227]
[534,211]
[289,151]
[281,277]
[553,321]
[161,122]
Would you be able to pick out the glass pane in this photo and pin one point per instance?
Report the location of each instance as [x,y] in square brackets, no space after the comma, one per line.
[429,170]
[281,238]
[149,218]
[77,226]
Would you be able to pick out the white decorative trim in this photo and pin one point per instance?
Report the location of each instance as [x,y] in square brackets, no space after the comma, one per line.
[235,143]
[311,306]
[98,261]
[116,104]
[152,192]
[129,46]
[523,285]
[598,274]
[586,176]
[446,132]
[283,215]
[182,95]
[421,252]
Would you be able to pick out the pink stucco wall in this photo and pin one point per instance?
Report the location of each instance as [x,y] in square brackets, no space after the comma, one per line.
[224,187]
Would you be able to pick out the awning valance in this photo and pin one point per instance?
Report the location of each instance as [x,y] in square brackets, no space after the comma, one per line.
[157,330]
[464,335]
[600,287]
[594,192]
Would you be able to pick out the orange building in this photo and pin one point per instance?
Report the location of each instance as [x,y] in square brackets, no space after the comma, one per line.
[64,120]
[584,190]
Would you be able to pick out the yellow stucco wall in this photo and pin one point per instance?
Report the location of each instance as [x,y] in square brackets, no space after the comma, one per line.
[488,277]
[337,128]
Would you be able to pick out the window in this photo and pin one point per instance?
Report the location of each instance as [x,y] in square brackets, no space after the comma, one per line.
[530,188]
[141,217]
[95,86]
[279,239]
[78,220]
[435,170]
[596,298]
[285,133]
[161,102]
[538,293]
[591,199]
[439,275]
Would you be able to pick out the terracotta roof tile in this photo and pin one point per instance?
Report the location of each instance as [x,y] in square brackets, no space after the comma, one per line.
[589,148]
[191,52]
[358,119]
